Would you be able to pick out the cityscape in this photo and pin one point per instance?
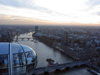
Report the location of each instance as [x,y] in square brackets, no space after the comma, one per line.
[79,43]
[49,37]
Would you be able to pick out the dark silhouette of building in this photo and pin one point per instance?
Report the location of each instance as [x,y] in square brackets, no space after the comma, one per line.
[36,29]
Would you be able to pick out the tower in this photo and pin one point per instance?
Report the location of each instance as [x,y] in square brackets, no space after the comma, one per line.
[65,37]
[72,42]
[93,48]
[36,29]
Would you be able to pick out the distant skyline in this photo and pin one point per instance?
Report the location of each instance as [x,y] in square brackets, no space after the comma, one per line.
[50,12]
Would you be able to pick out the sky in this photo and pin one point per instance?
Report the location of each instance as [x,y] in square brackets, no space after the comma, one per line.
[50,12]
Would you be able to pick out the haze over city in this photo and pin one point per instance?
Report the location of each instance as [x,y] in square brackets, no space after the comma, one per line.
[54,37]
[50,12]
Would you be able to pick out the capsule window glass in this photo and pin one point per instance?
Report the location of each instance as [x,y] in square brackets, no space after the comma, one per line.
[3,61]
[4,64]
[19,59]
[16,48]
[19,63]
[30,57]
[4,48]
[31,60]
[19,70]
[26,48]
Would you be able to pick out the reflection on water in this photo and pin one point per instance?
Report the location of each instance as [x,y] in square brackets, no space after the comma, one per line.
[43,52]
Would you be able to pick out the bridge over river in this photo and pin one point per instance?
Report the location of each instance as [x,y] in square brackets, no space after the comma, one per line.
[27,38]
[55,67]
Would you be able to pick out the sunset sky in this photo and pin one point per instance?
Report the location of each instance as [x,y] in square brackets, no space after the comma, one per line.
[50,12]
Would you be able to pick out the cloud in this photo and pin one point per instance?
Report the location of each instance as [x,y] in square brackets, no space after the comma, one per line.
[67,11]
[94,10]
[97,14]
[17,20]
[93,2]
[31,13]
[29,4]
[16,3]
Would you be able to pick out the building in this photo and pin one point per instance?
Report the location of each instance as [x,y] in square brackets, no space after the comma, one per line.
[65,37]
[78,51]
[36,29]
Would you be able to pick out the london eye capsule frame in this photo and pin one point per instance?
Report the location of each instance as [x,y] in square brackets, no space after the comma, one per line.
[16,59]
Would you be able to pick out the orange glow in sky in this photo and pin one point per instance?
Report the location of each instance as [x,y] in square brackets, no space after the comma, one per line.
[50,12]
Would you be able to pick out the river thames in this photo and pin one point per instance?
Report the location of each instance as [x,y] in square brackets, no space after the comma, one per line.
[44,52]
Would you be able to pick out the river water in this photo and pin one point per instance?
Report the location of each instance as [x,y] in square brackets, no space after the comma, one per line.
[43,52]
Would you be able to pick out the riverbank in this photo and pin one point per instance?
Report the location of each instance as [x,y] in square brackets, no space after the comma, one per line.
[49,42]
[73,52]
[44,51]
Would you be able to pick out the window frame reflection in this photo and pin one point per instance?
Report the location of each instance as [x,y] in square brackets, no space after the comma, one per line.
[30,55]
[4,63]
[27,55]
[16,48]
[19,68]
[19,59]
[33,63]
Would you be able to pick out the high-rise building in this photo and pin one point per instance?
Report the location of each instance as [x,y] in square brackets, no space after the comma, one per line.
[36,29]
[65,37]
[93,48]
